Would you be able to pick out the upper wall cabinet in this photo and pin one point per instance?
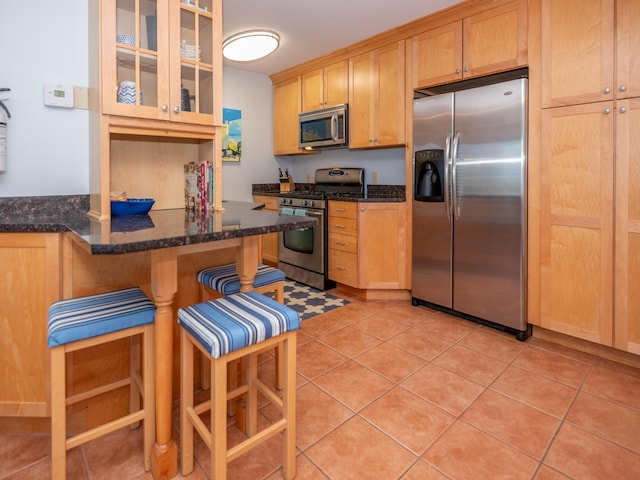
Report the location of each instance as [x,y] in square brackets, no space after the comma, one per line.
[325,87]
[286,106]
[157,59]
[480,44]
[578,43]
[376,97]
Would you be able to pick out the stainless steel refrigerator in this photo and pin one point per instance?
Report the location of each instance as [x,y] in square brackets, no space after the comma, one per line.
[470,201]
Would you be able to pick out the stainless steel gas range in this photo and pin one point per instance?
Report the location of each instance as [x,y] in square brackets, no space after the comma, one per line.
[302,254]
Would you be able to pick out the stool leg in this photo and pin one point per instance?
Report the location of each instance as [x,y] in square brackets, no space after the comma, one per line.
[134,368]
[219,419]
[186,399]
[252,395]
[289,406]
[278,295]
[58,414]
[149,394]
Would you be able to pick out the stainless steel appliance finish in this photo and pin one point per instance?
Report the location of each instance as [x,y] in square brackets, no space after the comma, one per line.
[324,128]
[302,254]
[469,203]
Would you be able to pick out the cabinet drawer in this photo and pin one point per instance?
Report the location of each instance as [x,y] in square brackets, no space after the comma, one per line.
[343,209]
[346,226]
[345,243]
[343,267]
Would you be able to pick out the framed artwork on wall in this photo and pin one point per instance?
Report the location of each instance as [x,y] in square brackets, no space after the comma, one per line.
[231,135]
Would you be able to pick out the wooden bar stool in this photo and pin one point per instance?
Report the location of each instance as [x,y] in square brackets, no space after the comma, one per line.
[216,282]
[225,330]
[83,322]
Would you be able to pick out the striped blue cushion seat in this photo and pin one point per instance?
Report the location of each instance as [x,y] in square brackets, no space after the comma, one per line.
[94,315]
[237,321]
[225,280]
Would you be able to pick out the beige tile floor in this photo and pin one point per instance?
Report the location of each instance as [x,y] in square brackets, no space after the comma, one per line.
[390,391]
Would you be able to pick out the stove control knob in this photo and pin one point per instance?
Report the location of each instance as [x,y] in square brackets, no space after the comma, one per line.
[289,201]
[310,203]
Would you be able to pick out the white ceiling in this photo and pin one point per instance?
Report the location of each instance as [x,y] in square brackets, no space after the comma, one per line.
[309,29]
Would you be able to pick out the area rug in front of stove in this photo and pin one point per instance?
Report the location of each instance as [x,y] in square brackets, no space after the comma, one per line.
[309,301]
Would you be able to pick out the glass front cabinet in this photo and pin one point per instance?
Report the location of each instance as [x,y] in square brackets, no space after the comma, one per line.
[155,74]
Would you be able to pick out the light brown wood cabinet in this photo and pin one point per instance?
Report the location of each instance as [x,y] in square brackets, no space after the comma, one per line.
[269,240]
[31,281]
[325,87]
[376,97]
[589,157]
[161,47]
[589,51]
[366,244]
[487,42]
[140,142]
[286,106]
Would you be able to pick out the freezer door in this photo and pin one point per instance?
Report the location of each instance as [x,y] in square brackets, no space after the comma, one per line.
[489,203]
[432,267]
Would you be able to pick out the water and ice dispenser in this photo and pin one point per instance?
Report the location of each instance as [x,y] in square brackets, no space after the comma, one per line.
[429,176]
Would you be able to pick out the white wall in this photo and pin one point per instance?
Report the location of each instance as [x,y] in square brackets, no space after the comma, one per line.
[43,41]
[48,147]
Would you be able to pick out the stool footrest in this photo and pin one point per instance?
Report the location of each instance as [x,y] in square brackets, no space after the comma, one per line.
[97,432]
[97,391]
[259,437]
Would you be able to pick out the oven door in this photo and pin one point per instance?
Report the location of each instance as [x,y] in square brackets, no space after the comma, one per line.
[304,248]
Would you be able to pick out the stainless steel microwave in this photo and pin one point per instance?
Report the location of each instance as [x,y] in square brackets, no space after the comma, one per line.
[324,128]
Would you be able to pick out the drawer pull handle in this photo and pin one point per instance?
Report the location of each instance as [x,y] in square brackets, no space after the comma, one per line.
[340,226]
[341,209]
[341,243]
[340,268]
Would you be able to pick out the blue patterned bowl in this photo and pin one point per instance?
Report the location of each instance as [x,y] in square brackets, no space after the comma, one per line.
[133,206]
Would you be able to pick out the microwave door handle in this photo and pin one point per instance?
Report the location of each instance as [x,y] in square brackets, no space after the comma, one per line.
[334,127]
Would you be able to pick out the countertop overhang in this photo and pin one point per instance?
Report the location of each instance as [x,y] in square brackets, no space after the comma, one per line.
[159,228]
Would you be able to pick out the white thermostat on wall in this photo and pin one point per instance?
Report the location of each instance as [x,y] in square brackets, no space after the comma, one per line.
[58,95]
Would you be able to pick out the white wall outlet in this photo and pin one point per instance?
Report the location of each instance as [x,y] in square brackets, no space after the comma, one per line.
[308,178]
[58,95]
[81,97]
[374,178]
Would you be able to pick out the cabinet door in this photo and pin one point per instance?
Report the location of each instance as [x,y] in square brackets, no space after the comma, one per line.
[31,282]
[336,84]
[389,97]
[495,40]
[437,56]
[134,58]
[286,106]
[576,224]
[577,51]
[361,124]
[628,48]
[269,240]
[195,46]
[312,90]
[627,246]
[382,245]
[376,98]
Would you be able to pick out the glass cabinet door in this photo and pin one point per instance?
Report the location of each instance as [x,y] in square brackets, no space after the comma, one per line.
[195,44]
[137,62]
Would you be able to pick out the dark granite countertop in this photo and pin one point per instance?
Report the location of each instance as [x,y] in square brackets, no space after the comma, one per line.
[158,229]
[373,193]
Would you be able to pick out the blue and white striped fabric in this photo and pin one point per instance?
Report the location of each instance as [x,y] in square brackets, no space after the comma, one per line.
[94,315]
[237,321]
[225,280]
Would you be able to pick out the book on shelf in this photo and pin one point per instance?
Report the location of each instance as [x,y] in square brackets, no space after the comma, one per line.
[198,186]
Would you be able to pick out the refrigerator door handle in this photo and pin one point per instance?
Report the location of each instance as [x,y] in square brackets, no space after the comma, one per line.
[454,171]
[447,159]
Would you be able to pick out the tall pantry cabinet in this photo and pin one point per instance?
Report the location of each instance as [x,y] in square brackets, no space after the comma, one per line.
[155,75]
[590,170]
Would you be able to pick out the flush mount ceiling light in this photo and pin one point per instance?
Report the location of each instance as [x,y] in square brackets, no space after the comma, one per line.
[251,45]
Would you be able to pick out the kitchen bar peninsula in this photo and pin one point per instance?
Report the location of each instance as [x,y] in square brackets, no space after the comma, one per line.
[162,237]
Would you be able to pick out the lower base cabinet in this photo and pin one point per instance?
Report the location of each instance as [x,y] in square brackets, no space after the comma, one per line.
[269,240]
[30,282]
[367,244]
